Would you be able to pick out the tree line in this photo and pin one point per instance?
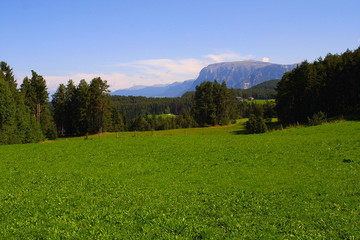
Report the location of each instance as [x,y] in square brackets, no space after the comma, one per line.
[85,109]
[148,121]
[214,104]
[154,122]
[88,109]
[134,108]
[24,113]
[211,104]
[130,107]
[330,85]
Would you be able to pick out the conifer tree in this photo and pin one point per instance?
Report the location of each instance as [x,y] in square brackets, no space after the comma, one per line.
[83,105]
[98,95]
[28,94]
[71,109]
[204,110]
[7,113]
[36,97]
[17,124]
[59,112]
[40,94]
[214,104]
[8,76]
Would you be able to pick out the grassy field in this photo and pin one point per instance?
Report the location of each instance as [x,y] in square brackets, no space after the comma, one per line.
[298,183]
[231,129]
[262,101]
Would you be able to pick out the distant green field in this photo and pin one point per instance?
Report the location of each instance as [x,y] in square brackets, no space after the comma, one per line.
[263,100]
[237,128]
[299,183]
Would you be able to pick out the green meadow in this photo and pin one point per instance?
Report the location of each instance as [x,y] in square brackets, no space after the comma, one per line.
[238,128]
[212,183]
[262,101]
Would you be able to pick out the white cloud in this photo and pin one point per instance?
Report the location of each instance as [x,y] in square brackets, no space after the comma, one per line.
[148,71]
[155,66]
[114,80]
[168,70]
[265,59]
[226,57]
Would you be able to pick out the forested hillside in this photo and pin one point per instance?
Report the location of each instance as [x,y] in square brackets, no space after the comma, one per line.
[264,90]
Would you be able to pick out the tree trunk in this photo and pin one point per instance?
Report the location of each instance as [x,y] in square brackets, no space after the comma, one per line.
[38,112]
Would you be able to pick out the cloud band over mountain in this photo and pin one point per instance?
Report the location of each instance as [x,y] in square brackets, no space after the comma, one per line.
[149,71]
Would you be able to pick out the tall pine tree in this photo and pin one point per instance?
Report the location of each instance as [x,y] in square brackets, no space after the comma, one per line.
[59,109]
[36,97]
[98,104]
[17,124]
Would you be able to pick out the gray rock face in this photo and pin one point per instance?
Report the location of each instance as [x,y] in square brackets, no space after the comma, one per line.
[243,74]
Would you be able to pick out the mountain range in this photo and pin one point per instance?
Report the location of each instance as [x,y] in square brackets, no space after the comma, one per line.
[160,90]
[241,74]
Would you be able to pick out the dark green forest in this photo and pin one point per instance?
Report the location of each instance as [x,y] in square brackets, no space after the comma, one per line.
[26,115]
[24,112]
[265,90]
[330,85]
[130,107]
[85,109]
[214,104]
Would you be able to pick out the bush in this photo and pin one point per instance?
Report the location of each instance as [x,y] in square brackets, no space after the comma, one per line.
[317,119]
[256,124]
[224,121]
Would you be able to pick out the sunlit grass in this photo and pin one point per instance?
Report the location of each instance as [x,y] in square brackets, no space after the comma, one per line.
[297,183]
[215,130]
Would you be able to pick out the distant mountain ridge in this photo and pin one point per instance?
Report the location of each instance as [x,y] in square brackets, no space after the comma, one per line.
[161,90]
[241,74]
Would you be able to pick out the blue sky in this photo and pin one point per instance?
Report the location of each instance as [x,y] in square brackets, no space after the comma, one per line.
[151,42]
